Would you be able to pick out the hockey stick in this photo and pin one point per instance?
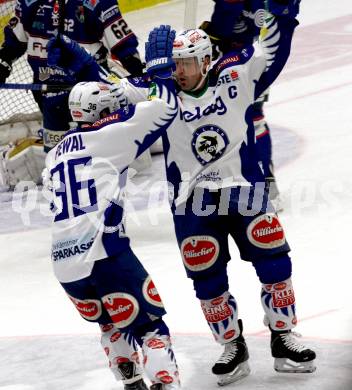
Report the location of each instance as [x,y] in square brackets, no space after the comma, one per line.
[37,87]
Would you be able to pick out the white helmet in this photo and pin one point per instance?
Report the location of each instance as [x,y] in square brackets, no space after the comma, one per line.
[193,43]
[88,100]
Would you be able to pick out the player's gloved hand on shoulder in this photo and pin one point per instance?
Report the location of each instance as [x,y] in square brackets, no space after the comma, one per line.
[67,55]
[288,8]
[158,52]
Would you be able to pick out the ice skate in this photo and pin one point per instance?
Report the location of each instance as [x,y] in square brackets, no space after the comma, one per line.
[138,385]
[131,380]
[291,356]
[233,363]
[163,386]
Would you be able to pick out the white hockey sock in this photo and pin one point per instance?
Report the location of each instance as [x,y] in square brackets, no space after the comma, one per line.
[278,301]
[120,348]
[221,314]
[159,360]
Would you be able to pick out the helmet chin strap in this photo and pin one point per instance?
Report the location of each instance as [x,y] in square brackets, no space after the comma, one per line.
[201,81]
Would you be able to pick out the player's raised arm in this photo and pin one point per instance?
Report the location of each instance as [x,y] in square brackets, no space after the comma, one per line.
[276,42]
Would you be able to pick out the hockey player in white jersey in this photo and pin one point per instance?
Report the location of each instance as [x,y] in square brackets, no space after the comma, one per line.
[219,189]
[91,254]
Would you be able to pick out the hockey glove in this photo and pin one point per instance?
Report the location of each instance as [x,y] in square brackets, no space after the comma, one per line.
[288,8]
[5,70]
[72,59]
[158,52]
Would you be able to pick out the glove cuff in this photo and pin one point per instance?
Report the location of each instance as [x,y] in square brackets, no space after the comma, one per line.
[157,61]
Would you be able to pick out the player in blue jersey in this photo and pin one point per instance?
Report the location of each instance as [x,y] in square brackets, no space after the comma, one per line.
[86,172]
[97,25]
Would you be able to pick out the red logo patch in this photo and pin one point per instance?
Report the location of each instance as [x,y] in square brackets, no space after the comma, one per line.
[195,37]
[123,308]
[115,336]
[107,350]
[76,114]
[106,328]
[280,324]
[217,313]
[217,301]
[266,232]
[228,335]
[234,75]
[89,309]
[178,44]
[164,377]
[294,320]
[151,294]
[199,252]
[283,298]
[279,286]
[120,359]
[155,344]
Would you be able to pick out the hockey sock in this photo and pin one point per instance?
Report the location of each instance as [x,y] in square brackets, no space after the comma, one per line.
[121,348]
[278,301]
[222,316]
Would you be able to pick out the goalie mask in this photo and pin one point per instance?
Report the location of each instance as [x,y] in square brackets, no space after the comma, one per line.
[90,101]
[192,52]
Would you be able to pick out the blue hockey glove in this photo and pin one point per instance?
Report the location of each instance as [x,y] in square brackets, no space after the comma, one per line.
[158,52]
[288,8]
[68,56]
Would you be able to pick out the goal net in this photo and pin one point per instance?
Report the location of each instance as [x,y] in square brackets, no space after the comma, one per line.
[17,107]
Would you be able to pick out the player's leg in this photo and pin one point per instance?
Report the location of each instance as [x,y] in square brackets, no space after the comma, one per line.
[134,305]
[204,250]
[278,301]
[261,239]
[121,349]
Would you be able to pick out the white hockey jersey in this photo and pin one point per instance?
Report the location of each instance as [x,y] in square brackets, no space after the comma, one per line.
[86,171]
[211,143]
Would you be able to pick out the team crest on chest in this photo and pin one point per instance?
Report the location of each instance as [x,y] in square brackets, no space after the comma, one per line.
[209,143]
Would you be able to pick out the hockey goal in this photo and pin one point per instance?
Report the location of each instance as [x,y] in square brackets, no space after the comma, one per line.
[19,113]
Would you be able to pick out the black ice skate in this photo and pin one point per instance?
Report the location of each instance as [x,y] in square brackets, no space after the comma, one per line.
[290,356]
[138,385]
[233,363]
[131,380]
[162,386]
[156,386]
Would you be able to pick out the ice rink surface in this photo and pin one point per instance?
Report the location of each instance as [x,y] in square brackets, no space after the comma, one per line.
[44,344]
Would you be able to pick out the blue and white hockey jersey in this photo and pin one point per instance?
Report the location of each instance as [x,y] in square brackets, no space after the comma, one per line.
[87,170]
[89,22]
[212,141]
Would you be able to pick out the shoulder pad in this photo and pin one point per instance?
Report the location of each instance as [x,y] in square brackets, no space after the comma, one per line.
[233,58]
[90,4]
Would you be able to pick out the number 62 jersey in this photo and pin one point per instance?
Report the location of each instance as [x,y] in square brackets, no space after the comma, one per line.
[86,172]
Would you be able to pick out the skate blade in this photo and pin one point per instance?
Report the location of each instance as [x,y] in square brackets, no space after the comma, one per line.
[241,371]
[288,366]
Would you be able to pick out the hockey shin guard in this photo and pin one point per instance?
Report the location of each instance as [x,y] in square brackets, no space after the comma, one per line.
[278,301]
[222,316]
[159,360]
[121,350]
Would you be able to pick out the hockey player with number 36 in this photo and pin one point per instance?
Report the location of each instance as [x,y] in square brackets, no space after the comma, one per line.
[219,187]
[91,255]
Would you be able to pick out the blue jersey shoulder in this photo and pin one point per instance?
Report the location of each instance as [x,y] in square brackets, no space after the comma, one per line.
[233,58]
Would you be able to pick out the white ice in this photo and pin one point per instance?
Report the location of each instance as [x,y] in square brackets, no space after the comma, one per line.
[44,344]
